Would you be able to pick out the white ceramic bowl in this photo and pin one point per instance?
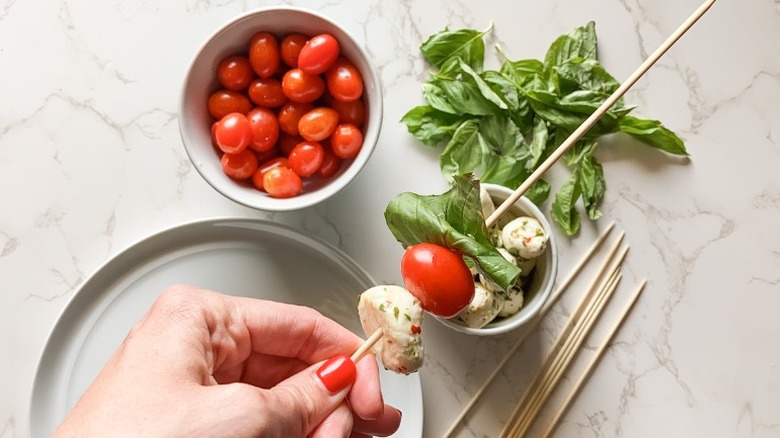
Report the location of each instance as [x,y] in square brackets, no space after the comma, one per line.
[201,80]
[544,273]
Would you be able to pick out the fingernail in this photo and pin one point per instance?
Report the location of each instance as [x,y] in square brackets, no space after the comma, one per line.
[337,373]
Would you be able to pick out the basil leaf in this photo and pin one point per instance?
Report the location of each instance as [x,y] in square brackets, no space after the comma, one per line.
[577,153]
[579,43]
[653,133]
[430,125]
[584,74]
[453,220]
[483,87]
[592,184]
[538,142]
[464,43]
[505,89]
[436,98]
[464,151]
[459,97]
[523,71]
[503,136]
[538,192]
[563,209]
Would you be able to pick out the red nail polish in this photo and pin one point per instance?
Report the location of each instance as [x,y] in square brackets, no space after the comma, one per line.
[337,373]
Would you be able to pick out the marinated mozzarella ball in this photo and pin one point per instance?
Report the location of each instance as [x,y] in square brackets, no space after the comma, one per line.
[399,314]
[512,304]
[525,237]
[482,309]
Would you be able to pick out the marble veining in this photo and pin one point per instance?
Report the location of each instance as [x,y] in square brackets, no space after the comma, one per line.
[91,162]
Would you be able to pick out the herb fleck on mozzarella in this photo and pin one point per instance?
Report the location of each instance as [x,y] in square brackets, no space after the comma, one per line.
[525,237]
[399,314]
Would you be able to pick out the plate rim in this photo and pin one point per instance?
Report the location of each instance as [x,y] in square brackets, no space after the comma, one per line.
[48,345]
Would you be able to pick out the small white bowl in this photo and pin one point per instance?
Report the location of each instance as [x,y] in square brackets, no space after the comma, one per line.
[543,276]
[201,80]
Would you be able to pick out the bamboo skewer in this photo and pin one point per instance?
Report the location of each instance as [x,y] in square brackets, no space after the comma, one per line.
[532,325]
[576,135]
[600,111]
[594,360]
[582,317]
[563,357]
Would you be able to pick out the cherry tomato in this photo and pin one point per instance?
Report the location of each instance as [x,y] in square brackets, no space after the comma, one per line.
[214,133]
[349,112]
[224,102]
[264,54]
[438,277]
[306,158]
[239,166]
[281,182]
[346,141]
[257,177]
[233,133]
[330,164]
[344,81]
[319,54]
[318,124]
[264,129]
[291,48]
[235,73]
[290,114]
[300,86]
[267,93]
[287,142]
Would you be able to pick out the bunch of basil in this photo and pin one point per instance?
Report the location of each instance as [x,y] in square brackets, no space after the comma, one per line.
[503,124]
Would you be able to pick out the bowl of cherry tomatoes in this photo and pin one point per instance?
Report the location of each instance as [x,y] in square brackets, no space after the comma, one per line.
[280,109]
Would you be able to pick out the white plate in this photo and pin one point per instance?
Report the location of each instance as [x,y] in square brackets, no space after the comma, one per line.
[242,257]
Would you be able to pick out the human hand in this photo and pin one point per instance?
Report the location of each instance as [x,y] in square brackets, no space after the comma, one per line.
[204,364]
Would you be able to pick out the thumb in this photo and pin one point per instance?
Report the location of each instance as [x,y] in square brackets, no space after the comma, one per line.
[305,399]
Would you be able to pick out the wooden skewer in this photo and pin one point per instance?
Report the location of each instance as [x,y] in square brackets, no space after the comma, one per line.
[367,345]
[608,263]
[532,324]
[594,360]
[566,346]
[600,111]
[579,132]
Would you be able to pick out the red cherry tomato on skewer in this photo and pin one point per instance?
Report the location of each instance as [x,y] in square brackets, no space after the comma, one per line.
[438,277]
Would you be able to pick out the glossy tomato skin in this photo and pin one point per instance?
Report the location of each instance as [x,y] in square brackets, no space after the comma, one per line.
[438,277]
[235,73]
[281,182]
[318,124]
[264,129]
[306,157]
[300,86]
[287,143]
[319,54]
[345,83]
[290,114]
[265,166]
[346,141]
[330,164]
[349,112]
[233,133]
[264,54]
[239,166]
[224,102]
[291,48]
[267,93]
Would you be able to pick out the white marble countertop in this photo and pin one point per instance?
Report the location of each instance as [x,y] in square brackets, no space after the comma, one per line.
[91,162]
